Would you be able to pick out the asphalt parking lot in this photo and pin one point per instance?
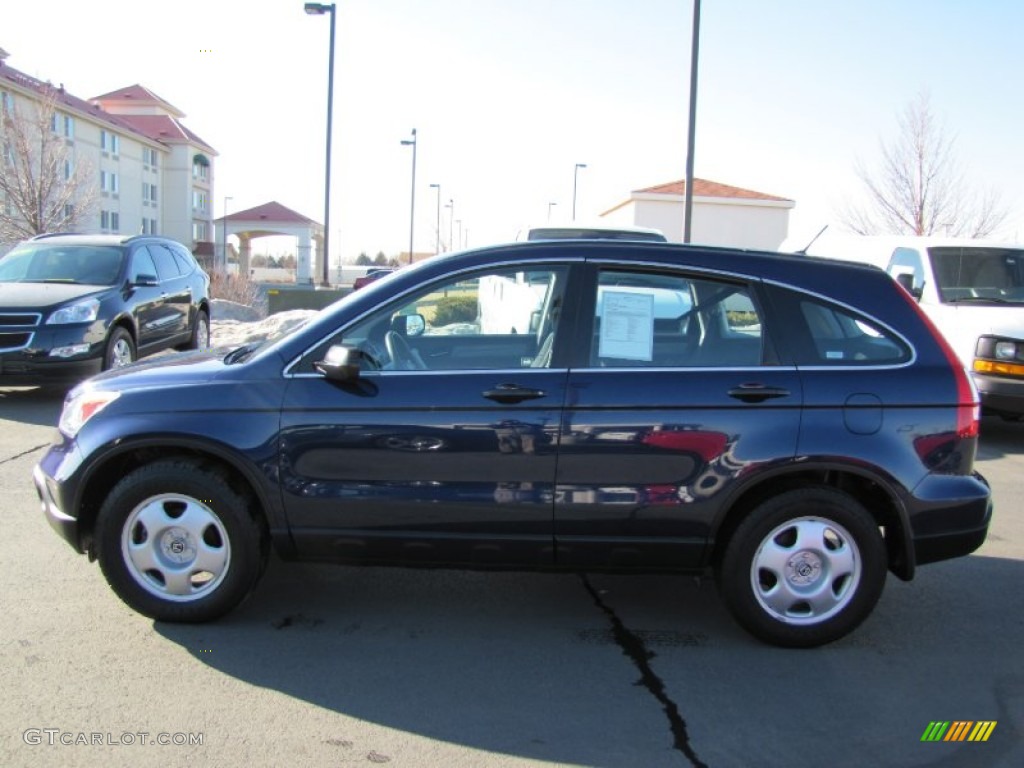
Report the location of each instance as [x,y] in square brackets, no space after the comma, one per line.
[330,666]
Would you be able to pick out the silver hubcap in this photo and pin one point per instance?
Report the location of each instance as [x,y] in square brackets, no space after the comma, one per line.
[202,334]
[121,354]
[806,571]
[175,547]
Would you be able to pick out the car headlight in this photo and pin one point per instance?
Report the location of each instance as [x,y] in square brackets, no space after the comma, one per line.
[80,312]
[82,407]
[1006,350]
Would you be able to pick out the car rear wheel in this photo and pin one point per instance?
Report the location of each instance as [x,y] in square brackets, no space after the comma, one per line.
[120,349]
[177,544]
[200,332]
[805,568]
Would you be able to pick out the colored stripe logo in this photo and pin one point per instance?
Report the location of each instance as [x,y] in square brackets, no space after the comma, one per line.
[958,730]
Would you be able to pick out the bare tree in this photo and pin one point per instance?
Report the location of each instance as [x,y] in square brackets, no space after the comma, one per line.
[43,186]
[917,187]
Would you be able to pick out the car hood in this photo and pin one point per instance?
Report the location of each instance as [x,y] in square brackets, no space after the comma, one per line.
[172,368]
[42,296]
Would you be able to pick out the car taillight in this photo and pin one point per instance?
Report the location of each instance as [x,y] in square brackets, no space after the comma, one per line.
[968,408]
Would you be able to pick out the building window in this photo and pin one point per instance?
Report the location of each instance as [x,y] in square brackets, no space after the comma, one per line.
[6,103]
[69,210]
[69,126]
[110,142]
[104,220]
[68,169]
[149,157]
[148,193]
[199,231]
[108,182]
[63,124]
[199,200]
[152,227]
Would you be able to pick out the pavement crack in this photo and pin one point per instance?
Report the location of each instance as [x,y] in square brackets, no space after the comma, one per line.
[634,648]
[24,453]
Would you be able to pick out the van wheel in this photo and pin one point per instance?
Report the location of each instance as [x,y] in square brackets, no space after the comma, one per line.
[805,568]
[177,544]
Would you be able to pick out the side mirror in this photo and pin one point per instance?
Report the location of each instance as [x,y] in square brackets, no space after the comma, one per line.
[145,281]
[341,363]
[409,325]
[906,279]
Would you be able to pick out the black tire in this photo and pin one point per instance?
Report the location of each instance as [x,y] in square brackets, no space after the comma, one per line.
[120,349]
[200,338]
[177,544]
[805,568]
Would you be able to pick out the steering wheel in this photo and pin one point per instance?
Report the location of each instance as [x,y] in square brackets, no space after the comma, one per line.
[401,354]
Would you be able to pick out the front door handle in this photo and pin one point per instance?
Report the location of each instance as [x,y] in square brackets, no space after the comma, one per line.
[512,393]
[757,393]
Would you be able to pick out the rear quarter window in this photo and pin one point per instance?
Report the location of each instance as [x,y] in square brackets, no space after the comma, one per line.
[841,337]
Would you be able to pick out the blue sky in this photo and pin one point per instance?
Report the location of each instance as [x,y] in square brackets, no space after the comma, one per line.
[508,95]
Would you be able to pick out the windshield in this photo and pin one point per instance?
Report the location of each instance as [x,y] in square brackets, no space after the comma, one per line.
[979,274]
[80,264]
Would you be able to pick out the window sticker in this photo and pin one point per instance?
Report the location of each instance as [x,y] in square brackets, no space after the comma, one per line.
[627,326]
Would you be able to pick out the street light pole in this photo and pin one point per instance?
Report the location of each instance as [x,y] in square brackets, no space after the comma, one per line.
[412,203]
[692,133]
[575,173]
[437,241]
[318,9]
[550,206]
[451,219]
[224,237]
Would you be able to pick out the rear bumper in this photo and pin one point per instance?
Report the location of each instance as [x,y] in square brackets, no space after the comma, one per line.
[952,516]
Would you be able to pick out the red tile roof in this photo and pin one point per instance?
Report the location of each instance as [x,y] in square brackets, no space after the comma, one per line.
[137,94]
[704,188]
[65,100]
[166,129]
[272,211]
[160,128]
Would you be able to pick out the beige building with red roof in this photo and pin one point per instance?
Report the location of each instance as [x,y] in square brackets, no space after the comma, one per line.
[722,214]
[153,175]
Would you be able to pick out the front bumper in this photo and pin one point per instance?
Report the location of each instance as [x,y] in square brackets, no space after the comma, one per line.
[1001,394]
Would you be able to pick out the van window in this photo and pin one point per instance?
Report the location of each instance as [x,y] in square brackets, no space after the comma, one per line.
[979,274]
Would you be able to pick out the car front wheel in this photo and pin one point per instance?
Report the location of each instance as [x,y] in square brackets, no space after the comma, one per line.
[805,568]
[177,544]
[120,349]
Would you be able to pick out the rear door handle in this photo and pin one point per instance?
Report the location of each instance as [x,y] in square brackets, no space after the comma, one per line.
[757,393]
[512,393]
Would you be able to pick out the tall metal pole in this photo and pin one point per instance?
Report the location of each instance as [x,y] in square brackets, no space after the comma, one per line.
[224,236]
[575,173]
[318,9]
[451,220]
[437,227]
[692,136]
[412,203]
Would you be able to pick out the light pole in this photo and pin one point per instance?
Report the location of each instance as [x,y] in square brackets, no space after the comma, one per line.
[224,238]
[451,219]
[575,174]
[318,9]
[550,206]
[459,222]
[692,133]
[437,242]
[412,204]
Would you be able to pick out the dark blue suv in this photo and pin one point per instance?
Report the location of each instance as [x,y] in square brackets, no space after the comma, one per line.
[794,425]
[74,305]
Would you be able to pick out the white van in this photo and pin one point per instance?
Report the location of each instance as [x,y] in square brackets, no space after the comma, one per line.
[973,290]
